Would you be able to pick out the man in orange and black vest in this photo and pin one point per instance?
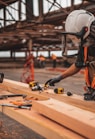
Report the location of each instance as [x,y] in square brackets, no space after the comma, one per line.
[81,23]
[54,60]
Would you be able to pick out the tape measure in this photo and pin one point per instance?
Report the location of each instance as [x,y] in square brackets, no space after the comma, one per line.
[59,90]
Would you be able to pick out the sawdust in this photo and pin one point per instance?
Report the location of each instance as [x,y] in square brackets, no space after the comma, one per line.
[11,129]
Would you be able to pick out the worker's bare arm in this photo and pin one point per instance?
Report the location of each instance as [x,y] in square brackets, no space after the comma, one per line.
[70,71]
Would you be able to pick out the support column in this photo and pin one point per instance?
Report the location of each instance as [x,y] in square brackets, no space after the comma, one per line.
[29,9]
[40,5]
[30,45]
[49,54]
[19,10]
[11,54]
[4,14]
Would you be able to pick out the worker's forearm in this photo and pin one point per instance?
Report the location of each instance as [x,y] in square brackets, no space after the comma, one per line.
[70,71]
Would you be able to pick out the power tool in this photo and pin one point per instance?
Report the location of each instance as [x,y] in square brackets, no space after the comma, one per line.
[59,90]
[35,86]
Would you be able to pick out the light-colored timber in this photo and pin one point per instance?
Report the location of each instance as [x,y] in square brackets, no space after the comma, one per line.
[78,120]
[52,116]
[20,88]
[33,120]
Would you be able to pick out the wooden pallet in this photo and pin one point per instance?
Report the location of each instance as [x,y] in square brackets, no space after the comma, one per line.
[52,116]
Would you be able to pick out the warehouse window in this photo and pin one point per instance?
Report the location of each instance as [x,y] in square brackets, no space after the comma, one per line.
[1,18]
[5,54]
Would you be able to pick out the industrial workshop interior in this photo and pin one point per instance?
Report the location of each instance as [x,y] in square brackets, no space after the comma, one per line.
[42,42]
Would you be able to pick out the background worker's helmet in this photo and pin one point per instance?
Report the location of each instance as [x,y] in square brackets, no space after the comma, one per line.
[78,19]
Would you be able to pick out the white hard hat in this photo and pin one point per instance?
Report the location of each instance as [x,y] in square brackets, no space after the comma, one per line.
[78,19]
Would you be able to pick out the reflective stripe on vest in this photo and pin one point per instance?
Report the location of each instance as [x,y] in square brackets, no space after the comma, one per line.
[92,85]
[86,68]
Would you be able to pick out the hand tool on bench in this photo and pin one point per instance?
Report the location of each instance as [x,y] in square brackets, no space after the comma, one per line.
[27,106]
[35,86]
[22,102]
[12,95]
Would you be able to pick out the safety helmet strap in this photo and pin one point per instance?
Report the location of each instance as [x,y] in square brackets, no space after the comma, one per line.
[78,35]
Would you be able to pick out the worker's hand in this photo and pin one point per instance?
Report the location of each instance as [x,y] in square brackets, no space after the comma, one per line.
[52,81]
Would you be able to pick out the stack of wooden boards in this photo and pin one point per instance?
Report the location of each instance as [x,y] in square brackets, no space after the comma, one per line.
[55,116]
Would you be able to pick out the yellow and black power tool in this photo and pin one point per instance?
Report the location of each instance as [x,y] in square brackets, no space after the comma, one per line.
[59,90]
[35,86]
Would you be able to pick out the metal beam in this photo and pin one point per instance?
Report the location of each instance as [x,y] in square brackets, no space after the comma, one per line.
[29,9]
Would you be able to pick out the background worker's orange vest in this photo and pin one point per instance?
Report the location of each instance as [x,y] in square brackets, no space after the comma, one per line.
[42,58]
[54,57]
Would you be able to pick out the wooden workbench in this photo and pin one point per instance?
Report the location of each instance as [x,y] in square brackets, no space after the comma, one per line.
[51,115]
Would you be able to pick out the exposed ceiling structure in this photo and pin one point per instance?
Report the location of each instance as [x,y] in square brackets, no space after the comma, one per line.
[41,32]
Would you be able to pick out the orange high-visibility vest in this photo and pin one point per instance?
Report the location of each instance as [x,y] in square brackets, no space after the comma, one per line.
[89,84]
[54,57]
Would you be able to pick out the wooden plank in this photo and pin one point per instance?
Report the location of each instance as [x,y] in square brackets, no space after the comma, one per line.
[20,88]
[38,123]
[78,120]
[75,100]
[45,109]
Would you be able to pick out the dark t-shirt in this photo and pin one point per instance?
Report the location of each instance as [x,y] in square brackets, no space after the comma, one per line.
[90,59]
[91,56]
[91,51]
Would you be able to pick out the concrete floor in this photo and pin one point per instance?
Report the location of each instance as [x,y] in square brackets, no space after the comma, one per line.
[14,69]
[11,129]
[74,84]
